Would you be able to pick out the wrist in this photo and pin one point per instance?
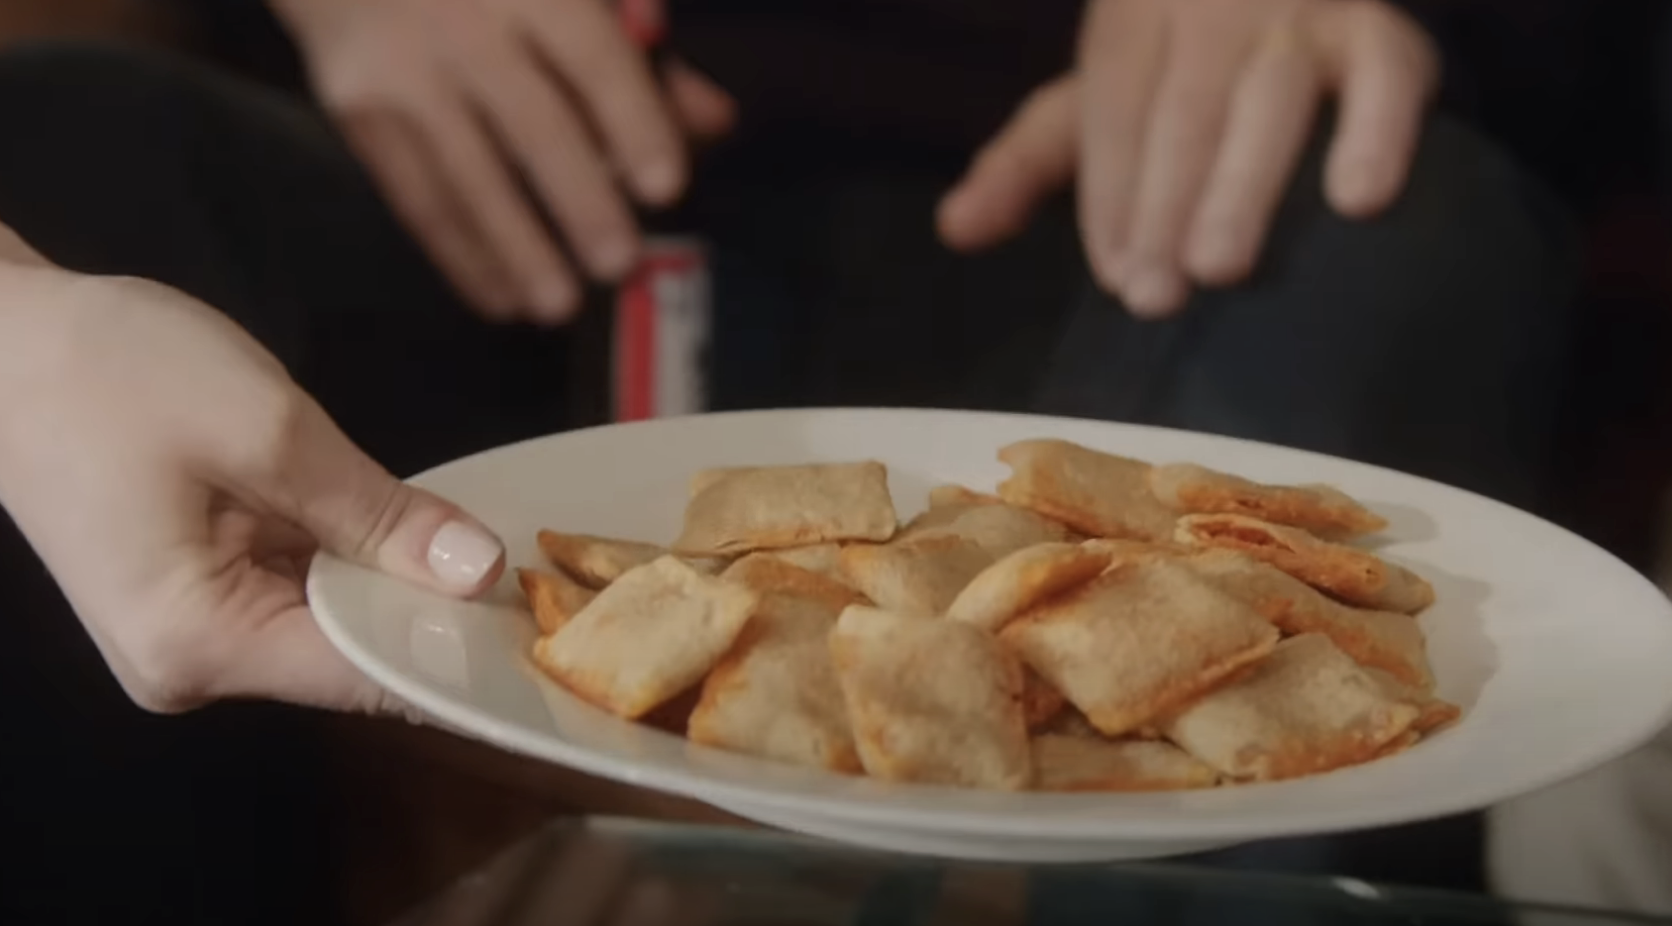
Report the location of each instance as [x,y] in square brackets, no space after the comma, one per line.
[28,282]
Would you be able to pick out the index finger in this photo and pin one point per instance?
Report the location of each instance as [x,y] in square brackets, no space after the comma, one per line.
[614,82]
[1121,51]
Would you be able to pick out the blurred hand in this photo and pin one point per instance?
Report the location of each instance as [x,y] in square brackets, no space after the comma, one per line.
[176,481]
[454,104]
[1184,122]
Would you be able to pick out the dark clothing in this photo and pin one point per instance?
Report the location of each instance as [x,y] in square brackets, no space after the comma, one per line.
[1382,341]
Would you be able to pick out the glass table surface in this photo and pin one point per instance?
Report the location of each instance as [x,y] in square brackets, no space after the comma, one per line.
[616,872]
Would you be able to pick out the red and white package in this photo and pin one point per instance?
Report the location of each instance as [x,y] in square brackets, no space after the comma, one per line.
[662,315]
[662,322]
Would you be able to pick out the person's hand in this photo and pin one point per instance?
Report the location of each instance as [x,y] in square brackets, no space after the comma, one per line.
[1183,123]
[454,104]
[175,481]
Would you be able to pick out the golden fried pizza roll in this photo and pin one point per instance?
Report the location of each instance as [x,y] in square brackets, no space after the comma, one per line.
[1353,575]
[595,561]
[951,495]
[1023,579]
[1121,552]
[1322,510]
[553,597]
[1070,722]
[1098,494]
[918,576]
[999,529]
[775,694]
[1384,640]
[1398,744]
[769,575]
[765,507]
[1306,708]
[1138,641]
[648,636]
[1433,713]
[1041,703]
[931,700]
[823,558]
[1078,763]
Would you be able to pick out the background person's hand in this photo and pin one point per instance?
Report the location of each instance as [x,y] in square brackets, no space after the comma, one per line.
[176,481]
[456,105]
[1183,124]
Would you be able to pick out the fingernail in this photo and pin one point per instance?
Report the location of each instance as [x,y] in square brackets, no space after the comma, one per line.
[462,554]
[554,300]
[659,181]
[613,257]
[1112,270]
[1217,257]
[1152,292]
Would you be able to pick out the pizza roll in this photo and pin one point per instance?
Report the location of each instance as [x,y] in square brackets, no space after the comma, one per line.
[1433,713]
[1022,580]
[1070,722]
[764,507]
[999,529]
[1398,745]
[931,701]
[595,561]
[775,694]
[553,597]
[1355,576]
[1041,703]
[997,525]
[1322,510]
[1121,552]
[768,575]
[918,576]
[1306,708]
[1098,494]
[957,496]
[648,636]
[1384,640]
[1078,763]
[1138,641]
[823,558]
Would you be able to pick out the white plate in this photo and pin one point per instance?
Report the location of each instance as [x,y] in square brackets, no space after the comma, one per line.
[1560,654]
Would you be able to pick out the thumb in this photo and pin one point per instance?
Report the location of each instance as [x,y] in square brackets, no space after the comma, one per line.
[1033,156]
[355,509]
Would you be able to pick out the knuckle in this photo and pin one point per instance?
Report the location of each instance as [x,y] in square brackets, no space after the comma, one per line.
[377,518]
[277,419]
[1376,19]
[428,214]
[166,669]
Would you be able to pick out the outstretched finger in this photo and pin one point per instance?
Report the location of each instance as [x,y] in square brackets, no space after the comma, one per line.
[1386,73]
[1033,156]
[417,192]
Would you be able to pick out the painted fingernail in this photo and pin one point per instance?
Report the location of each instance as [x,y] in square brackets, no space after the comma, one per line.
[462,554]
[1152,292]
